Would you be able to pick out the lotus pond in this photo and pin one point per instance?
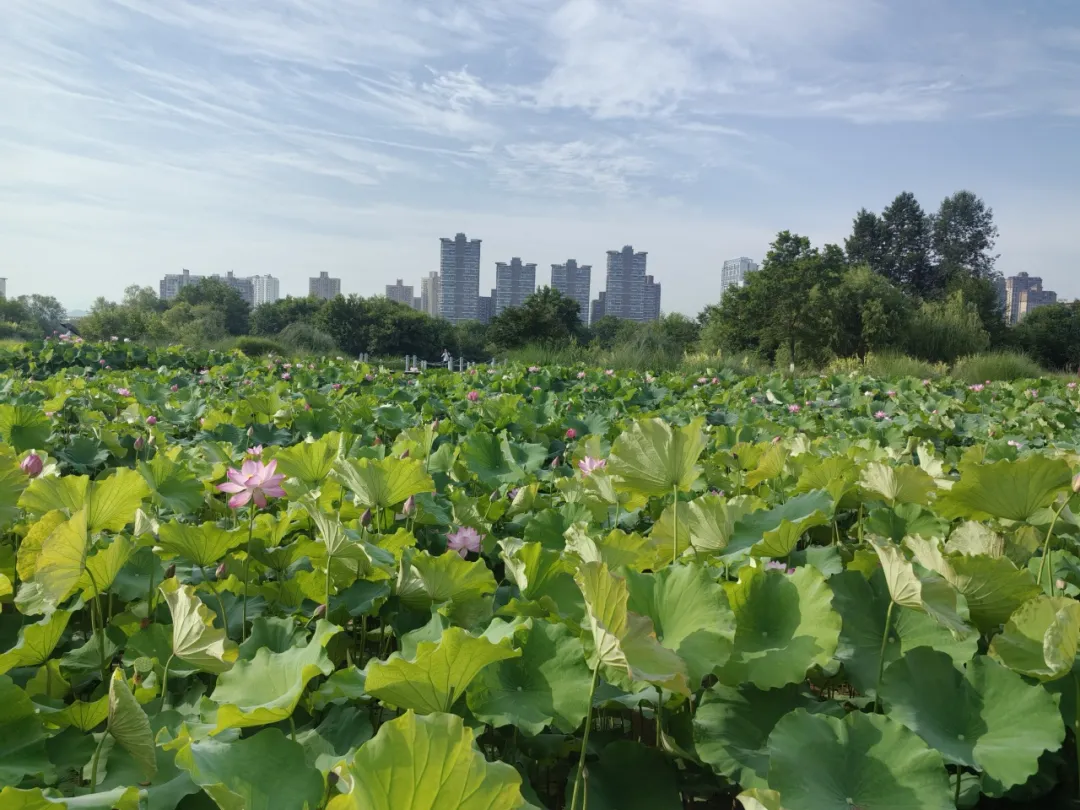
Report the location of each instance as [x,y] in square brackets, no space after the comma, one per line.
[272,586]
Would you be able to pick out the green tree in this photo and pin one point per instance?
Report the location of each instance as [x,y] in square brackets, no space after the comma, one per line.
[382,327]
[219,295]
[269,319]
[869,314]
[945,330]
[869,241]
[907,261]
[143,299]
[964,235]
[609,331]
[680,332]
[784,305]
[194,324]
[1051,335]
[547,316]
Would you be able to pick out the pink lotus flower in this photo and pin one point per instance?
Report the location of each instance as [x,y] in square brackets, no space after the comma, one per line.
[571,433]
[286,376]
[794,408]
[649,378]
[101,362]
[925,382]
[581,375]
[589,464]
[123,392]
[880,415]
[534,369]
[753,400]
[472,396]
[702,380]
[464,540]
[976,388]
[253,481]
[336,386]
[287,365]
[32,465]
[775,565]
[610,372]
[715,381]
[174,388]
[151,420]
[255,451]
[890,394]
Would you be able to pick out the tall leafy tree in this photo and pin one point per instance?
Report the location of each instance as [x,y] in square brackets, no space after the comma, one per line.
[546,316]
[869,241]
[1051,335]
[869,314]
[219,295]
[907,261]
[964,235]
[270,319]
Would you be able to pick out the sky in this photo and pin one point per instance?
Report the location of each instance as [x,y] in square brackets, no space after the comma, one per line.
[139,137]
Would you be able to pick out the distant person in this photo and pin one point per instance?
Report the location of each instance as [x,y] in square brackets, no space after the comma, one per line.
[445,356]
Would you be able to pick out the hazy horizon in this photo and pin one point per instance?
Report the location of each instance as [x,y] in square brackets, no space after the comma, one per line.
[297,136]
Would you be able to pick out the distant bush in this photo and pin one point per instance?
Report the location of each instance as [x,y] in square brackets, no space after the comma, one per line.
[943,331]
[305,338]
[996,366]
[887,364]
[259,346]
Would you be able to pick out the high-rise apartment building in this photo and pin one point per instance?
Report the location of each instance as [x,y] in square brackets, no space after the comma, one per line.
[514,282]
[485,308]
[266,290]
[429,294]
[171,285]
[625,288]
[242,285]
[416,303]
[459,272]
[400,293]
[734,273]
[1023,293]
[652,299]
[3,288]
[575,282]
[597,311]
[324,287]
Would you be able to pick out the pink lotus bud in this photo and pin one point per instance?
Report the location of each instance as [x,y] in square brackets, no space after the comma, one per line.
[571,433]
[555,462]
[32,465]
[139,443]
[472,396]
[221,571]
[365,519]
[174,388]
[410,505]
[151,420]
[320,611]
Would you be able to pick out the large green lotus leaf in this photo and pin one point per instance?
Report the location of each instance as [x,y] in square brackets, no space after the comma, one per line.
[930,594]
[310,461]
[129,725]
[12,483]
[974,538]
[171,484]
[113,502]
[770,465]
[993,587]
[62,560]
[264,772]
[834,474]
[203,545]
[276,635]
[544,576]
[897,522]
[622,640]
[784,626]
[863,760]
[618,549]
[986,717]
[732,727]
[381,483]
[194,637]
[36,642]
[84,716]
[653,458]
[424,580]
[267,688]
[46,493]
[483,456]
[863,606]
[165,790]
[1040,640]
[766,526]
[104,566]
[427,763]
[1009,490]
[22,737]
[24,427]
[630,776]
[897,485]
[548,685]
[706,523]
[438,674]
[126,798]
[690,613]
[30,547]
[342,730]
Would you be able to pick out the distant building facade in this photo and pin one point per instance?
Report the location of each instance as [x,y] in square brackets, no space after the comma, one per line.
[575,282]
[170,286]
[241,284]
[735,271]
[3,288]
[514,282]
[1024,293]
[324,287]
[459,274]
[652,299]
[485,308]
[266,289]
[429,295]
[598,308]
[625,288]
[400,293]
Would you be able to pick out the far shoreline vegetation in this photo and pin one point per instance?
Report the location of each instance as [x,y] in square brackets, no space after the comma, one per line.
[909,293]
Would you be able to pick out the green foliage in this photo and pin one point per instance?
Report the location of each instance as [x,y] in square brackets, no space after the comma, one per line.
[259,346]
[869,314]
[942,331]
[269,320]
[304,338]
[232,311]
[978,368]
[1051,336]
[545,317]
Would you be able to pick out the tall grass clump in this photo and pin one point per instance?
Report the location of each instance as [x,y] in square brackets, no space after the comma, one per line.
[303,338]
[1001,366]
[887,365]
[943,331]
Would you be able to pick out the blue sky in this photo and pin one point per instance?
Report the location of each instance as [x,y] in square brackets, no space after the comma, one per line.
[293,136]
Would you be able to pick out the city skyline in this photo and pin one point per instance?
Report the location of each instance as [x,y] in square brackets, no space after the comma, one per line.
[295,136]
